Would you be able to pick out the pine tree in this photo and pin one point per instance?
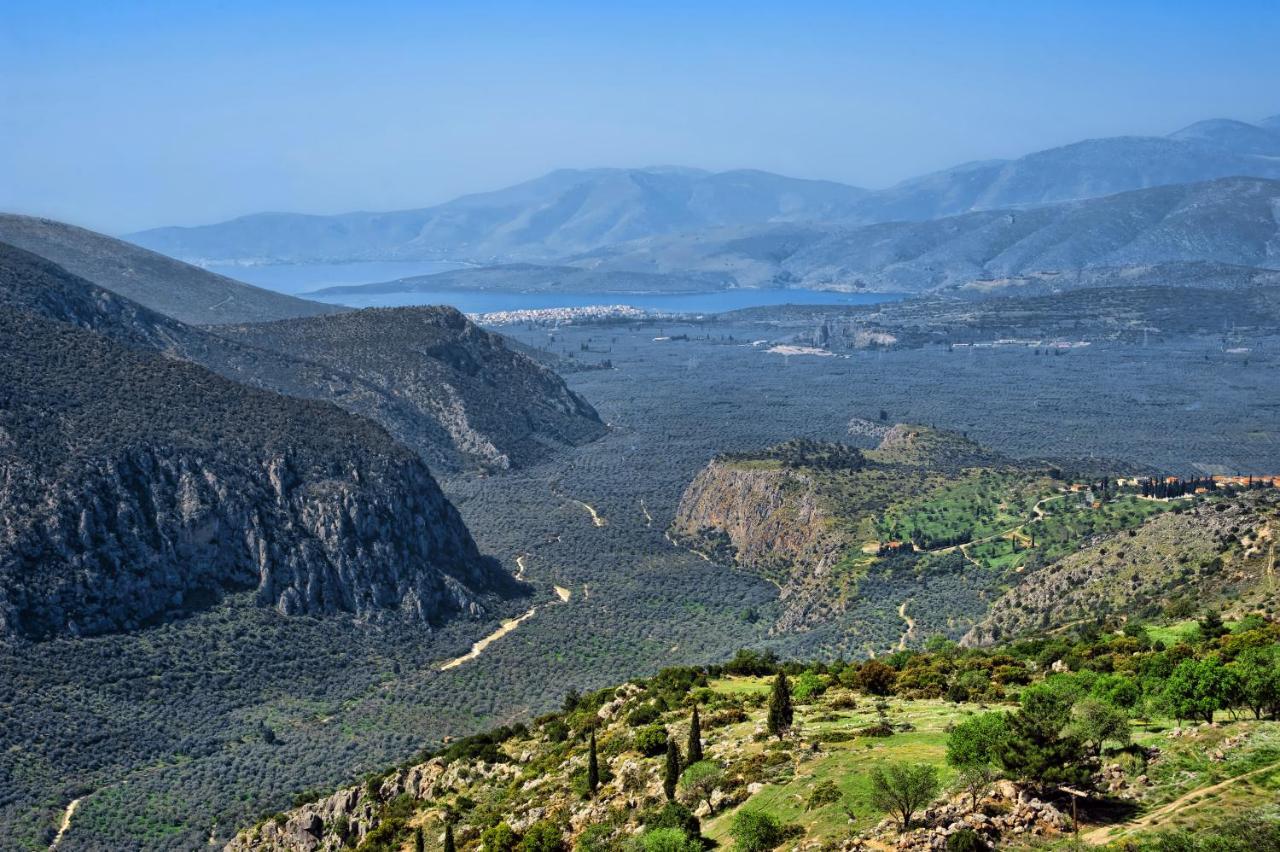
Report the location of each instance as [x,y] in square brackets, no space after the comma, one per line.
[780,713]
[593,768]
[672,776]
[1037,748]
[695,738]
[448,837]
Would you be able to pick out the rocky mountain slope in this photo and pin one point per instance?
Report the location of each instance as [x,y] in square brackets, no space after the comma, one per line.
[812,517]
[184,292]
[454,393]
[594,776]
[495,406]
[570,212]
[1212,552]
[134,486]
[1233,221]
[561,213]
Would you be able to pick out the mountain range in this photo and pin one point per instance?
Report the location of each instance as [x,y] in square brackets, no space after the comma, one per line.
[1233,221]
[570,212]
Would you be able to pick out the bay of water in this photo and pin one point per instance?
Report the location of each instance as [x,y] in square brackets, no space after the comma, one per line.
[305,277]
[294,278]
[487,301]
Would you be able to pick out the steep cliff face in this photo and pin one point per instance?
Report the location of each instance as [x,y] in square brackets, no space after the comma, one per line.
[496,407]
[773,512]
[134,486]
[766,517]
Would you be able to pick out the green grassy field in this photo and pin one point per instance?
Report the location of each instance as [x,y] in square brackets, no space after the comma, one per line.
[1190,787]
[845,762]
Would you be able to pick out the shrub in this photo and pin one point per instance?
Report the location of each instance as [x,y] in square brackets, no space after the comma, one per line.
[643,715]
[542,836]
[966,840]
[596,838]
[674,815]
[755,831]
[667,840]
[807,687]
[651,741]
[700,779]
[500,838]
[824,793]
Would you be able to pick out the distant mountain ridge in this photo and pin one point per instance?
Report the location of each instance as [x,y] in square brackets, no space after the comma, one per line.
[187,293]
[570,212]
[564,212]
[1232,221]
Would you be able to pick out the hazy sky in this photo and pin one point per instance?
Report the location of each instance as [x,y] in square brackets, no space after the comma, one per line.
[121,116]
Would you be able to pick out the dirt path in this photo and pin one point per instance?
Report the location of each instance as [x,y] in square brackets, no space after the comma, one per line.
[911,626]
[648,519]
[596,517]
[1037,513]
[477,647]
[521,567]
[66,823]
[1103,834]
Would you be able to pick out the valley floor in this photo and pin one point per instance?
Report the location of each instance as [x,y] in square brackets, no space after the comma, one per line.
[169,726]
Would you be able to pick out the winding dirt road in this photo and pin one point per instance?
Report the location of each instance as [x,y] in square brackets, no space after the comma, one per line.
[66,823]
[911,626]
[1103,834]
[477,647]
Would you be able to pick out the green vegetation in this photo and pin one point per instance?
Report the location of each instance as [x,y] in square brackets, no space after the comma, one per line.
[1043,712]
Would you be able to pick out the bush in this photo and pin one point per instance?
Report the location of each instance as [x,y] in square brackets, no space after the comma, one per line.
[667,840]
[674,815]
[500,838]
[825,793]
[966,840]
[807,687]
[596,838]
[651,741]
[543,836]
[645,714]
[699,780]
[755,831]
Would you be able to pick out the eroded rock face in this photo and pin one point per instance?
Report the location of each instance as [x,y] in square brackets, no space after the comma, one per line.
[135,486]
[151,532]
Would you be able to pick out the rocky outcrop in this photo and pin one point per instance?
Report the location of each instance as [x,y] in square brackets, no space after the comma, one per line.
[768,517]
[1208,552]
[135,486]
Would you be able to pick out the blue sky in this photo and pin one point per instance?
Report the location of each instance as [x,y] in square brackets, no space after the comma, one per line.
[121,116]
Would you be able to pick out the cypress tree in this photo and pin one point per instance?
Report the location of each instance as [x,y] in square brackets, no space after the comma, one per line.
[695,738]
[780,713]
[419,842]
[448,837]
[672,776]
[593,767]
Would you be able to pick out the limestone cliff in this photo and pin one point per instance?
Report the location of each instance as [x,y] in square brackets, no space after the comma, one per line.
[134,486]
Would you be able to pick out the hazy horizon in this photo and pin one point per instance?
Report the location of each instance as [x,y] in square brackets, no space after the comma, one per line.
[139,115]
